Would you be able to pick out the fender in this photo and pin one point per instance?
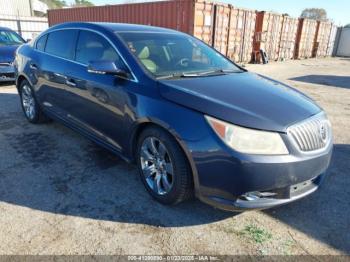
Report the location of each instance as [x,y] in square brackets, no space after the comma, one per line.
[151,120]
[22,75]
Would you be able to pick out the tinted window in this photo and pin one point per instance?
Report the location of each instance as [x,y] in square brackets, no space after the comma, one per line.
[94,47]
[40,44]
[62,43]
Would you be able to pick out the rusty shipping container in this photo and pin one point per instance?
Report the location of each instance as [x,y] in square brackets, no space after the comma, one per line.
[323,32]
[229,30]
[241,35]
[267,35]
[222,14]
[331,41]
[234,32]
[288,37]
[194,17]
[305,38]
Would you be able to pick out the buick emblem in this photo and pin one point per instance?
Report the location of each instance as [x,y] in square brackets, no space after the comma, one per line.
[323,132]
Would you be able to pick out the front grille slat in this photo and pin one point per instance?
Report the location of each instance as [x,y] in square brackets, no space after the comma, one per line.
[312,134]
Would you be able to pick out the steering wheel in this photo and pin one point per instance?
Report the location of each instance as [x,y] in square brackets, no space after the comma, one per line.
[183,62]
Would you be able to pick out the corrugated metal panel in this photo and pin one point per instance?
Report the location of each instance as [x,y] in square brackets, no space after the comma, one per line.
[322,39]
[204,21]
[27,26]
[268,34]
[241,35]
[176,15]
[344,40]
[221,31]
[305,38]
[288,37]
[15,7]
[331,42]
[189,16]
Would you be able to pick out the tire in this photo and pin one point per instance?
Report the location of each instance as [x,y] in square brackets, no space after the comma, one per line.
[30,105]
[181,180]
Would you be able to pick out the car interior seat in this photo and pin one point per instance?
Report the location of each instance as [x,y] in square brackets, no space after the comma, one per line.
[144,55]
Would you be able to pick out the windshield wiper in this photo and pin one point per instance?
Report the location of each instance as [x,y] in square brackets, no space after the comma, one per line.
[220,71]
[197,74]
[176,75]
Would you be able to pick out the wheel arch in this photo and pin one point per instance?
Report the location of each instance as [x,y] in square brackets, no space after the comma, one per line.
[145,123]
[19,80]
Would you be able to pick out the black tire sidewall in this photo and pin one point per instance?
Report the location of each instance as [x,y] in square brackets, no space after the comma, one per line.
[178,160]
[35,119]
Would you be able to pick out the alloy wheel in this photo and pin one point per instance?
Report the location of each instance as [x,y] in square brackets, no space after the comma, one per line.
[28,102]
[157,166]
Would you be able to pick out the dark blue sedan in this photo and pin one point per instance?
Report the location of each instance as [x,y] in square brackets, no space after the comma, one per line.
[9,42]
[195,123]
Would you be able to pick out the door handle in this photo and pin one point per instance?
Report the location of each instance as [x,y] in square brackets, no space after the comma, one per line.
[59,75]
[33,66]
[71,83]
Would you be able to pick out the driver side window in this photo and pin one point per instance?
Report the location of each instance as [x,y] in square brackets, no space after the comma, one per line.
[94,47]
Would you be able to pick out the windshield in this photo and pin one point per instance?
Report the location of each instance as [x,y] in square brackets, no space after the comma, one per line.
[10,38]
[167,54]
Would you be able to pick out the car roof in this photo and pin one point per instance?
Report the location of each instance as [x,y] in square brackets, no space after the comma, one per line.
[115,27]
[5,28]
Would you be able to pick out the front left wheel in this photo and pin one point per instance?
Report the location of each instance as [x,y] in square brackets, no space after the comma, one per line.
[30,106]
[163,166]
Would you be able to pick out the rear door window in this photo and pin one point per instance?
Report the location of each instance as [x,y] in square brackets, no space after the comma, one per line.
[62,43]
[94,47]
[40,44]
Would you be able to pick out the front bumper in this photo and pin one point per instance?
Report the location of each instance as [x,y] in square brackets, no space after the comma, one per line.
[7,73]
[226,177]
[286,196]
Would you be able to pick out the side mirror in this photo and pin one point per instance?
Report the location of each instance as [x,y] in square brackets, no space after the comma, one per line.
[106,67]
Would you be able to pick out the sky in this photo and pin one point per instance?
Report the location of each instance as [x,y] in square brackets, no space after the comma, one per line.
[337,10]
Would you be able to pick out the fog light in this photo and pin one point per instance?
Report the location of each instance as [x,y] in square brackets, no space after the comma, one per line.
[255,195]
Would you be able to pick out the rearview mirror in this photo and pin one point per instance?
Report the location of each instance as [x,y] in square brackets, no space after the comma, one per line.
[106,67]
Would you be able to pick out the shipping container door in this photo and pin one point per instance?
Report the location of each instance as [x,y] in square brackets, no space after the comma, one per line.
[272,25]
[248,35]
[203,21]
[235,38]
[220,35]
[241,35]
[288,38]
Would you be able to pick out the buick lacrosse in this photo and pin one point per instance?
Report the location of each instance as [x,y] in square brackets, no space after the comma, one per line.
[194,122]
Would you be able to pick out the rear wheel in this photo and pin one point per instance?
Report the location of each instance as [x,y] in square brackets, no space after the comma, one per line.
[163,167]
[30,106]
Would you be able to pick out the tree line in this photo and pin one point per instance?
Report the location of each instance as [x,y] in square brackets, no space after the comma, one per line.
[62,3]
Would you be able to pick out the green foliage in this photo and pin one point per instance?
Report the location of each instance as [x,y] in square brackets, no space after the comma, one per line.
[315,13]
[83,3]
[55,3]
[257,234]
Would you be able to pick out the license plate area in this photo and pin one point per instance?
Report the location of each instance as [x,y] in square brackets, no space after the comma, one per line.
[301,187]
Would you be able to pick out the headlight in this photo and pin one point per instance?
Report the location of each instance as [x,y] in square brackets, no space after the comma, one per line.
[249,141]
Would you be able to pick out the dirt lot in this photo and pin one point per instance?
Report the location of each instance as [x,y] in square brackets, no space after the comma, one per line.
[61,194]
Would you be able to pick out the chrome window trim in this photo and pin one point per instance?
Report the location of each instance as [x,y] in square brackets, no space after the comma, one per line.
[147,32]
[321,116]
[133,79]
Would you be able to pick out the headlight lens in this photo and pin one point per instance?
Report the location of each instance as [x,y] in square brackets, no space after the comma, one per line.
[249,141]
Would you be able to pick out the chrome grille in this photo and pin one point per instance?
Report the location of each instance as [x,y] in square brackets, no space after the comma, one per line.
[311,134]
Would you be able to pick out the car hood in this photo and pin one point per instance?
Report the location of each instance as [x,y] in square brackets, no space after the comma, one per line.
[244,99]
[7,53]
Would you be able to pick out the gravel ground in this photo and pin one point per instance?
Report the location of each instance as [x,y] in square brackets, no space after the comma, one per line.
[62,194]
